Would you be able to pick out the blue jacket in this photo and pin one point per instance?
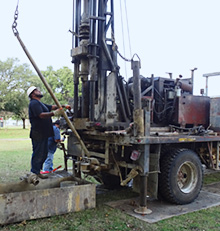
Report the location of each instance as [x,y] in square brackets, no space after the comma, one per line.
[52,145]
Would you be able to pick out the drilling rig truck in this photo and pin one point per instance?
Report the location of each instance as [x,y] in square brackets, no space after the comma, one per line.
[150,132]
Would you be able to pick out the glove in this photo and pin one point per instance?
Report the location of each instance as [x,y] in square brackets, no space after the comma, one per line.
[58,112]
[66,106]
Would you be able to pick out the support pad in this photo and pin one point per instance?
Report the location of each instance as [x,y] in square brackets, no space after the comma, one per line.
[162,210]
[143,210]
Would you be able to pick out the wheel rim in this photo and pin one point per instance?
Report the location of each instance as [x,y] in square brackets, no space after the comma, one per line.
[187,177]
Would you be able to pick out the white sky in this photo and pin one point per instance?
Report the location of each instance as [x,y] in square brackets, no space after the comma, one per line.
[168,35]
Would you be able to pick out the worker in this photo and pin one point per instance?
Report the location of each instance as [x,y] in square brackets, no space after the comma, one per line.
[52,146]
[41,128]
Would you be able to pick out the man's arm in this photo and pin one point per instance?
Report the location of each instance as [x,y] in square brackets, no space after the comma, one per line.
[55,111]
[45,115]
[54,107]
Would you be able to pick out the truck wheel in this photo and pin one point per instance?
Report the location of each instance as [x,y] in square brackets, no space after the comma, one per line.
[181,176]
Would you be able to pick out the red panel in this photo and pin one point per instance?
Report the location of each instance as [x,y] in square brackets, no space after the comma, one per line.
[193,110]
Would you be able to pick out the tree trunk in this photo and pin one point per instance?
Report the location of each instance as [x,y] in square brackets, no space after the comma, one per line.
[23,119]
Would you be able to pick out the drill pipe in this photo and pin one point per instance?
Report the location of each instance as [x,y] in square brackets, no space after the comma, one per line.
[52,95]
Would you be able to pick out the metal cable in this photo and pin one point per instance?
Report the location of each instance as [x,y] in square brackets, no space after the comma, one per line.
[115,47]
[129,40]
[123,36]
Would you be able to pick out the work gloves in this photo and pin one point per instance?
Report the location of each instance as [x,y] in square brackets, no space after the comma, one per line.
[59,111]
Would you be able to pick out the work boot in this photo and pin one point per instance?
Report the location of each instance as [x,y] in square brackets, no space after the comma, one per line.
[42,176]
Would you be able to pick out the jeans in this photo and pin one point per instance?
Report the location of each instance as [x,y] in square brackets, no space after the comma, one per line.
[48,164]
[39,155]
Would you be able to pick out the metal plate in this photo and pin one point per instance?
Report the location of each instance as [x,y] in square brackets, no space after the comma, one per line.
[215,114]
[193,110]
[162,210]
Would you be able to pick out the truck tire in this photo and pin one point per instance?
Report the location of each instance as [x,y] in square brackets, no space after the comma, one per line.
[181,176]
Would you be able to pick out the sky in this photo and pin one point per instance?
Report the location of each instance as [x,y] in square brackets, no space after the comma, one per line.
[167,35]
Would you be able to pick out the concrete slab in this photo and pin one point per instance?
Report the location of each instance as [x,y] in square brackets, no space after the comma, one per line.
[162,210]
[59,194]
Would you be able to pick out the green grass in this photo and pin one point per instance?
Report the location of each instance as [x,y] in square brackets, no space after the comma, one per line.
[211,178]
[15,154]
[11,133]
[15,158]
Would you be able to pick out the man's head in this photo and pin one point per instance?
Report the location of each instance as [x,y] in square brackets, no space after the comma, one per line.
[57,123]
[34,93]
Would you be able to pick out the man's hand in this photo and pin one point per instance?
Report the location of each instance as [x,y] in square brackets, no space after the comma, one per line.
[58,112]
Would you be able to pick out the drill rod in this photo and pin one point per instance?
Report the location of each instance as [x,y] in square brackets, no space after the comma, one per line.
[52,95]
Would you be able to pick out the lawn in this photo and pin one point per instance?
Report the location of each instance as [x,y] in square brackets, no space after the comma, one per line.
[11,133]
[15,155]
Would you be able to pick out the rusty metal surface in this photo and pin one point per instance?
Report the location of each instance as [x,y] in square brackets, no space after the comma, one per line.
[155,137]
[193,110]
[174,139]
[39,203]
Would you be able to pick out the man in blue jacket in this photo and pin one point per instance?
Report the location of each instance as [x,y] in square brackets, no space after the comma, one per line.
[52,146]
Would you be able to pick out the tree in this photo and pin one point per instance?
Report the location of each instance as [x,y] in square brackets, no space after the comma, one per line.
[61,82]
[15,80]
[18,106]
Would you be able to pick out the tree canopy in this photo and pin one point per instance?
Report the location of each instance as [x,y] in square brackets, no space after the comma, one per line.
[61,82]
[17,78]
